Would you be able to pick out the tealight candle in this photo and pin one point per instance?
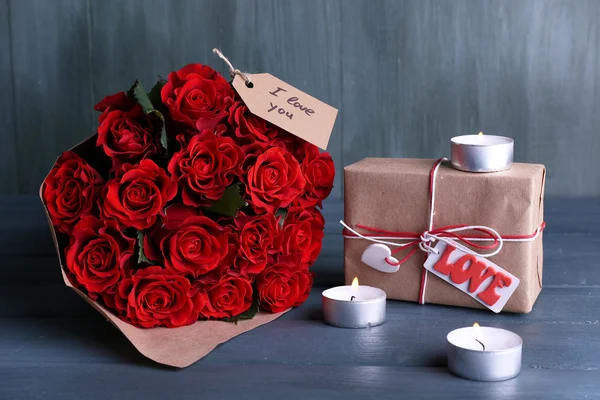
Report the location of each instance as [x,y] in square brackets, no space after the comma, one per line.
[484,353]
[482,153]
[354,306]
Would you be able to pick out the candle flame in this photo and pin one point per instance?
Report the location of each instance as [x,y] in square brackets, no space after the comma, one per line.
[480,133]
[355,283]
[477,332]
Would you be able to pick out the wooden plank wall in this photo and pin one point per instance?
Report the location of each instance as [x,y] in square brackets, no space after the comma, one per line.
[406,74]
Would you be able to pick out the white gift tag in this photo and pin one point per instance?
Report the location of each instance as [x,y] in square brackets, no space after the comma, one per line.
[486,282]
[374,256]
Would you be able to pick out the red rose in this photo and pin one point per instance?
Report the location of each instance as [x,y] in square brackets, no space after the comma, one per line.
[198,96]
[228,262]
[157,297]
[226,299]
[286,140]
[275,180]
[319,172]
[137,195]
[195,247]
[252,151]
[303,234]
[283,285]
[206,167]
[248,127]
[110,296]
[117,297]
[226,267]
[117,101]
[259,238]
[70,190]
[174,216]
[185,134]
[99,254]
[127,136]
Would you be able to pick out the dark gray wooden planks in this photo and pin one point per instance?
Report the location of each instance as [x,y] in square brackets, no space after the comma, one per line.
[416,73]
[138,39]
[561,333]
[9,179]
[93,381]
[48,330]
[52,81]
[406,75]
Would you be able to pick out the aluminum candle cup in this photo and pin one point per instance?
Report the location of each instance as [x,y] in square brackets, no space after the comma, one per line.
[501,359]
[354,306]
[482,153]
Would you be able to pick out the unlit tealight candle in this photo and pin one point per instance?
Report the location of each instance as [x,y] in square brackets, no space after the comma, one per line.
[484,353]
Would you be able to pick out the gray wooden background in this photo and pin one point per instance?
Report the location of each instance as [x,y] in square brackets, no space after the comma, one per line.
[406,75]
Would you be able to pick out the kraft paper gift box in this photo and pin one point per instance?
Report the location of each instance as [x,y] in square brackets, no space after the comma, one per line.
[393,195]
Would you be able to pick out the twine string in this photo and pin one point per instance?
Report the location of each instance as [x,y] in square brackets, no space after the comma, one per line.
[233,71]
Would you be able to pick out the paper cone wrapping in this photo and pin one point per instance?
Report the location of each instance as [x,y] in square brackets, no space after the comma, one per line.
[176,347]
[393,195]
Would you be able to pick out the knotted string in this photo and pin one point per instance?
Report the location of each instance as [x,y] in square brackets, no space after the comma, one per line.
[448,234]
[233,71]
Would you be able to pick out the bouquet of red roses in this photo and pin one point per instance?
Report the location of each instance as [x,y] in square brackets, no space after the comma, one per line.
[185,206]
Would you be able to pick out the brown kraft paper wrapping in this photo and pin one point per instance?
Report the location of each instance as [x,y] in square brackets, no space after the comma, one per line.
[393,194]
[176,347]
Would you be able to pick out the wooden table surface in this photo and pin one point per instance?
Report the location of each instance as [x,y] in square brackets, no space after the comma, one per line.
[54,346]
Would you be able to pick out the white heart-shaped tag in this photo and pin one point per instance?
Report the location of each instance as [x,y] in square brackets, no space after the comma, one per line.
[375,255]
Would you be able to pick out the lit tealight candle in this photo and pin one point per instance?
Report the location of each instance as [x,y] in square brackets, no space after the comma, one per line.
[484,353]
[354,306]
[482,153]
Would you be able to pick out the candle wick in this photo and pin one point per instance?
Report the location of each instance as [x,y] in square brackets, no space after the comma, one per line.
[481,343]
[352,298]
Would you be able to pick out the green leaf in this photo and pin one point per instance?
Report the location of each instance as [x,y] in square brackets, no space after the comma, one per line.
[246,315]
[282,214]
[154,94]
[164,140]
[138,93]
[229,203]
[141,255]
